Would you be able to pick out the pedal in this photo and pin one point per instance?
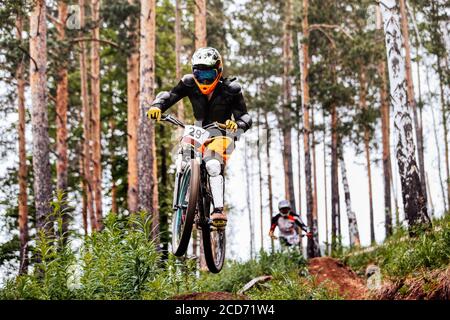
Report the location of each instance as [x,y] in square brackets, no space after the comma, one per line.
[219,224]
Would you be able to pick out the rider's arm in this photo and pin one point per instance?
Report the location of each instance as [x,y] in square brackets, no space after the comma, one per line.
[239,108]
[300,223]
[165,99]
[274,222]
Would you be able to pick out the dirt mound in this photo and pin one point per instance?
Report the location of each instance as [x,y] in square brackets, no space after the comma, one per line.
[433,285]
[339,277]
[210,296]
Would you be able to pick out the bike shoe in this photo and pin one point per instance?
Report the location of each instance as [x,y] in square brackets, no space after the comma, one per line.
[219,220]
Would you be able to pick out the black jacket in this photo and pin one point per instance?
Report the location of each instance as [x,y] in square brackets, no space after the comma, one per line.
[226,100]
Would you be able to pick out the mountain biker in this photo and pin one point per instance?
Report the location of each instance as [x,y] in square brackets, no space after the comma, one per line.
[288,223]
[213,99]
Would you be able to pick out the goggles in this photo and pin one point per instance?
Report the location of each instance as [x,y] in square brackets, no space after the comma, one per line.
[205,76]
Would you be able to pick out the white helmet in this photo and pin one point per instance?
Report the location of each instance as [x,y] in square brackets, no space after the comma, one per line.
[284,204]
[207,68]
[207,57]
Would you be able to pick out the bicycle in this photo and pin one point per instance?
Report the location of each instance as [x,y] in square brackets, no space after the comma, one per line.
[291,241]
[192,199]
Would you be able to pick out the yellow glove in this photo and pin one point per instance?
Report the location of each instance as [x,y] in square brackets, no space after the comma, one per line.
[231,125]
[154,113]
[271,234]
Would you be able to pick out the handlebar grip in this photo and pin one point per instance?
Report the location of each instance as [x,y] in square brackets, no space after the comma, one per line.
[221,125]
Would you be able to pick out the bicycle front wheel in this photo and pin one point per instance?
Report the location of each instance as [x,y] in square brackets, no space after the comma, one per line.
[183,218]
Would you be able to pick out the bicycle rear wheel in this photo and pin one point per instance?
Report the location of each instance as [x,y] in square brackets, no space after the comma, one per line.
[214,241]
[183,218]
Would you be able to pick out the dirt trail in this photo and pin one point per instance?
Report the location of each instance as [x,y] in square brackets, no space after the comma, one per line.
[210,296]
[339,276]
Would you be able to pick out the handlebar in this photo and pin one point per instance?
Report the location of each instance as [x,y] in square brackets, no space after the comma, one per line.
[173,120]
[301,235]
[177,122]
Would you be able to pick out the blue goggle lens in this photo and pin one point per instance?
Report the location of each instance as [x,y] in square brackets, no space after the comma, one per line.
[205,76]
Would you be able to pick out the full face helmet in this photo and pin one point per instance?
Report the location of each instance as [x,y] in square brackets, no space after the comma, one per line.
[207,68]
[284,206]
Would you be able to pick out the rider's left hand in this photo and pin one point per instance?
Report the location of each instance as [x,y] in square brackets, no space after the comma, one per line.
[231,125]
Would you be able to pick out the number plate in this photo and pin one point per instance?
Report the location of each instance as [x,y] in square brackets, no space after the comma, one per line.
[196,133]
[293,239]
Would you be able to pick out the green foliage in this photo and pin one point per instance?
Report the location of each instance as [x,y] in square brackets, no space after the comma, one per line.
[289,272]
[118,263]
[121,262]
[402,255]
[293,286]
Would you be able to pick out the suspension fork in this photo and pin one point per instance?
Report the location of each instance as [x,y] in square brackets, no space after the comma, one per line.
[204,195]
[178,174]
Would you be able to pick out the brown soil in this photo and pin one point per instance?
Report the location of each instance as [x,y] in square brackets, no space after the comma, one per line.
[339,277]
[433,285]
[210,296]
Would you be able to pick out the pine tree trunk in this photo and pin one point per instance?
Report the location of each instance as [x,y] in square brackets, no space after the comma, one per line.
[369,182]
[269,172]
[133,114]
[299,167]
[334,180]
[312,248]
[178,38]
[299,119]
[413,199]
[112,157]
[96,121]
[146,134]
[39,118]
[200,23]
[23,168]
[363,106]
[258,152]
[87,173]
[352,222]
[325,184]
[155,194]
[84,212]
[62,100]
[315,207]
[385,133]
[411,97]
[249,209]
[164,214]
[286,112]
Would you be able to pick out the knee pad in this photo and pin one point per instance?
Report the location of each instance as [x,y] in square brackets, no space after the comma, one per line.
[213,167]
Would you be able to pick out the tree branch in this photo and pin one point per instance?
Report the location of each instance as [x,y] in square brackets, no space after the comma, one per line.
[113,44]
[54,20]
[330,26]
[29,56]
